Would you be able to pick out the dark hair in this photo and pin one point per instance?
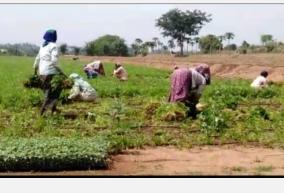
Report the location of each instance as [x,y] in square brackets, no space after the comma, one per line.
[264,74]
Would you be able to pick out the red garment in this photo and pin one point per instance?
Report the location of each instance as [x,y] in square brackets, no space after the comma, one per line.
[181,81]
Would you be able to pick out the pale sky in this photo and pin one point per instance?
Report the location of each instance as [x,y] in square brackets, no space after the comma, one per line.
[77,24]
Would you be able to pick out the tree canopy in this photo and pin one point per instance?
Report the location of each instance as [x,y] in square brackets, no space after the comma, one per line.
[180,25]
[108,45]
[209,43]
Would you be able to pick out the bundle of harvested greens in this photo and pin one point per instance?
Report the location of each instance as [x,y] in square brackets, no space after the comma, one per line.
[33,82]
[59,82]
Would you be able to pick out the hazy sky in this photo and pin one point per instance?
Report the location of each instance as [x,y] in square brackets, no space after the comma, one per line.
[77,24]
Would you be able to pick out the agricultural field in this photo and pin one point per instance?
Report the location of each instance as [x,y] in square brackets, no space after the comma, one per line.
[132,114]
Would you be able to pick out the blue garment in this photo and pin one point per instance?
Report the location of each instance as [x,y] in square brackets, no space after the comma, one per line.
[50,36]
[91,74]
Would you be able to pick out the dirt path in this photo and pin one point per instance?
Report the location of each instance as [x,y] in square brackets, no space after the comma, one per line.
[224,66]
[207,160]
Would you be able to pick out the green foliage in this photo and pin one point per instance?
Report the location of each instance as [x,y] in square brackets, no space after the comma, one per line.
[209,44]
[20,49]
[229,36]
[265,38]
[129,114]
[232,47]
[63,48]
[171,112]
[76,50]
[60,82]
[259,112]
[213,120]
[23,154]
[179,25]
[33,82]
[108,45]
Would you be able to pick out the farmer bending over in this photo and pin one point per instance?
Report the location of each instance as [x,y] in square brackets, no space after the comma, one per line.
[186,87]
[46,66]
[261,81]
[94,69]
[81,89]
[120,72]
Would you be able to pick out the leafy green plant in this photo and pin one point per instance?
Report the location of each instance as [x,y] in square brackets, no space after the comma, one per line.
[213,120]
[23,154]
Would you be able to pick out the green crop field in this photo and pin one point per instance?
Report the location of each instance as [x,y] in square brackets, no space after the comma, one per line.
[131,114]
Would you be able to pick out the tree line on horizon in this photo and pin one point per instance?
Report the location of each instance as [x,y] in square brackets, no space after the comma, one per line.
[180,27]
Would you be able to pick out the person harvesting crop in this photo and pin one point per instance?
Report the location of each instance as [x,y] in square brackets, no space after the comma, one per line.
[186,87]
[81,89]
[46,66]
[260,81]
[94,69]
[120,72]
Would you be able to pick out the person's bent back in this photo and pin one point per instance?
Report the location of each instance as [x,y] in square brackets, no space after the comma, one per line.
[261,81]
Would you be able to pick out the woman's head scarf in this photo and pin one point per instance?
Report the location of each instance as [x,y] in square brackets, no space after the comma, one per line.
[50,36]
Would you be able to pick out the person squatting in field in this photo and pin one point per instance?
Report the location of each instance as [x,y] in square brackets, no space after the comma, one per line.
[81,89]
[261,81]
[46,66]
[187,86]
[94,69]
[120,72]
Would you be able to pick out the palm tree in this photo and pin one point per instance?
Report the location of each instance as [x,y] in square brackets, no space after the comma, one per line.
[156,40]
[196,40]
[229,36]
[151,45]
[188,40]
[221,39]
[138,41]
[192,42]
[160,45]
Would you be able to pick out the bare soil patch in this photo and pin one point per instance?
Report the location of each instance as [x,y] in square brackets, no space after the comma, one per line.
[222,65]
[206,160]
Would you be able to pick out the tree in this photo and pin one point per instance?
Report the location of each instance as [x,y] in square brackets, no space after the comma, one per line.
[150,45]
[244,47]
[138,41]
[209,43]
[135,48]
[232,47]
[171,44]
[229,36]
[165,48]
[196,40]
[265,38]
[108,45]
[160,45]
[221,39]
[76,50]
[188,40]
[63,48]
[245,44]
[179,25]
[156,40]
